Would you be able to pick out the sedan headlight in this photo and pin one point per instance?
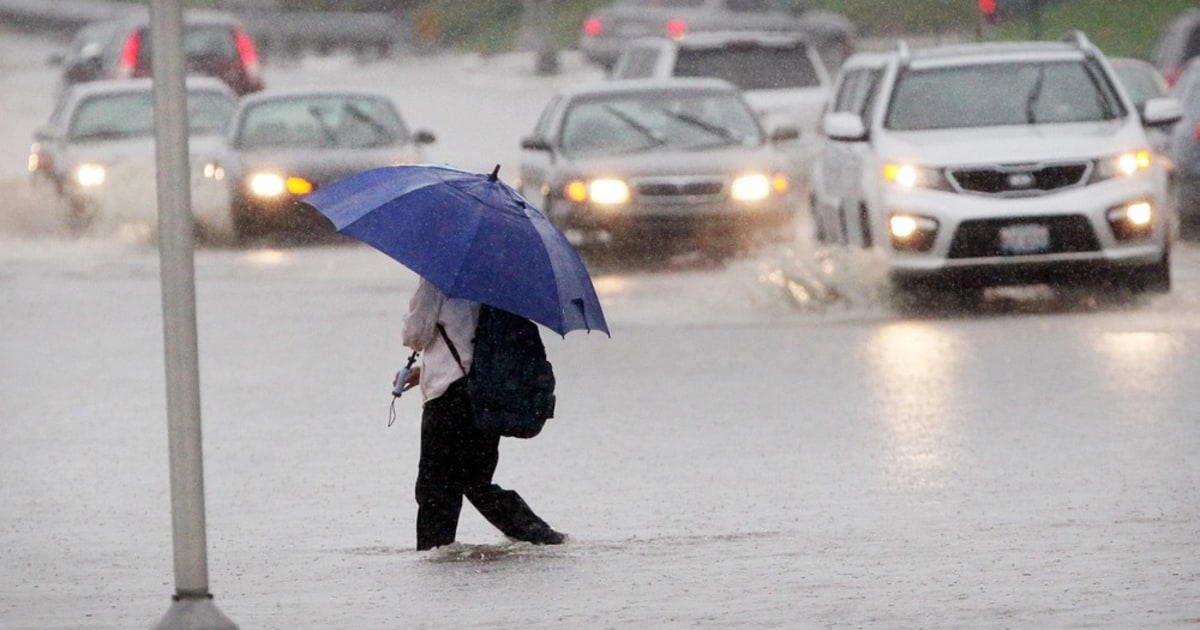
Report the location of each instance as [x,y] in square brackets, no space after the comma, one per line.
[604,191]
[275,185]
[913,176]
[88,175]
[753,187]
[1123,165]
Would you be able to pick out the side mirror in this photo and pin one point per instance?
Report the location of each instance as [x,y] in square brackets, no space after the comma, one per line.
[844,126]
[784,133]
[44,133]
[424,137]
[534,143]
[1161,112]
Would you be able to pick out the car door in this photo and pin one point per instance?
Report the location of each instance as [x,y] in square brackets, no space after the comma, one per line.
[838,198]
[538,159]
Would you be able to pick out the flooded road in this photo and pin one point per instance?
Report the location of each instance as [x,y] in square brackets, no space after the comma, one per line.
[742,452]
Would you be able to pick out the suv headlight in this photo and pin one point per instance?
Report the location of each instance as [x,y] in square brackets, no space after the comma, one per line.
[913,176]
[1122,165]
[757,186]
[88,175]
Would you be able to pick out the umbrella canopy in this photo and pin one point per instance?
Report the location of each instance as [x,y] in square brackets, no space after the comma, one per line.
[469,234]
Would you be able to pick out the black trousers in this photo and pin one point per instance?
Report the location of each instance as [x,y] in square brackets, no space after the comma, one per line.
[458,460]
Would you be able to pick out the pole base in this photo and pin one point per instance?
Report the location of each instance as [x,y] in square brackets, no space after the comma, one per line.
[194,613]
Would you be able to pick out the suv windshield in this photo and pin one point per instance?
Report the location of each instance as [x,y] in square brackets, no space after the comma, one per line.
[999,94]
[750,66]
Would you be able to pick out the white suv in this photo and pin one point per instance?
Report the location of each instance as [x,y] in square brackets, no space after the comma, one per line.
[991,164]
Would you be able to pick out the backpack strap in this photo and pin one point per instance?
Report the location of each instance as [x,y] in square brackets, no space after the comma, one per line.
[450,345]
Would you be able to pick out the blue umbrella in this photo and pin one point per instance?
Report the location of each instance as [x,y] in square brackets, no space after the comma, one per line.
[469,234]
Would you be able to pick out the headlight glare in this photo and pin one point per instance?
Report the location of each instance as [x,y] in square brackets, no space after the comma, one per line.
[608,191]
[912,176]
[90,175]
[753,187]
[266,184]
[1123,165]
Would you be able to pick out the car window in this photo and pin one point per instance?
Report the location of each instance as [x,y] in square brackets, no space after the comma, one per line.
[209,112]
[619,124]
[1140,83]
[346,122]
[638,63]
[1001,94]
[131,114]
[857,92]
[200,43]
[749,6]
[542,128]
[751,67]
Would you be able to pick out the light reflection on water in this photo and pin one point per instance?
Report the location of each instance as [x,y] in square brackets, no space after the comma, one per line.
[916,365]
[1137,364]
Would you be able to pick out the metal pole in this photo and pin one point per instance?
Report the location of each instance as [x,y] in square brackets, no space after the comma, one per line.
[192,606]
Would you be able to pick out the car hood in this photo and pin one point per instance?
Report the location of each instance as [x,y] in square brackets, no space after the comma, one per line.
[140,149]
[801,107]
[324,166]
[1011,144]
[717,160]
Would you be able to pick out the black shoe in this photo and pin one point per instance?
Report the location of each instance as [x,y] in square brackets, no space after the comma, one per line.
[547,536]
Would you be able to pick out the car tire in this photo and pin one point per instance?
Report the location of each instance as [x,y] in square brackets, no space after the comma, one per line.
[1154,278]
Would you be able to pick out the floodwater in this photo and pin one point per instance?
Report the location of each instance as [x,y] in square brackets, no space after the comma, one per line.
[742,452]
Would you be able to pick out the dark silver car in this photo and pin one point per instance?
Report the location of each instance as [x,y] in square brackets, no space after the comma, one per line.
[605,32]
[284,144]
[656,163]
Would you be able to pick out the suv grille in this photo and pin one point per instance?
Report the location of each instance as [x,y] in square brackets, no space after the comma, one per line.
[1015,181]
[981,238]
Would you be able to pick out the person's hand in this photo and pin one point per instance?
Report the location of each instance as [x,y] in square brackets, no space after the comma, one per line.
[414,378]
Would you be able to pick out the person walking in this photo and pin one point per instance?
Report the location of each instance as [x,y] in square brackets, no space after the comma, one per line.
[456,459]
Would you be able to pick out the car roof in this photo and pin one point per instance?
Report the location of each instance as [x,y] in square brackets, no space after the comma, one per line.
[631,86]
[283,93]
[123,86]
[995,51]
[720,39]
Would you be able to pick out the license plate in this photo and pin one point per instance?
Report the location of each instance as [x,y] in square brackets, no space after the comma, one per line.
[1024,238]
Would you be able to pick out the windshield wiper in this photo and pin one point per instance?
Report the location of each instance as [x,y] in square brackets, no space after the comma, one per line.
[381,130]
[653,135]
[715,129]
[319,116]
[1035,94]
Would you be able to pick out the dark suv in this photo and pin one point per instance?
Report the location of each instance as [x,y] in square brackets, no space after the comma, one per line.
[215,44]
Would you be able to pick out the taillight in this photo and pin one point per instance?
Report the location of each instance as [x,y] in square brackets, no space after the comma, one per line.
[675,28]
[129,55]
[1173,75]
[592,27]
[1196,132]
[247,53]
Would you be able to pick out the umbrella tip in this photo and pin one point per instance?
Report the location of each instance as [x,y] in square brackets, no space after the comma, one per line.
[493,177]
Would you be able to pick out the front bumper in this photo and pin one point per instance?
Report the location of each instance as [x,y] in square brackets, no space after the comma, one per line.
[1058,237]
[728,217]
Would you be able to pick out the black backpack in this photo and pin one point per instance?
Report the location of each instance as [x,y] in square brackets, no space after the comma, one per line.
[511,383]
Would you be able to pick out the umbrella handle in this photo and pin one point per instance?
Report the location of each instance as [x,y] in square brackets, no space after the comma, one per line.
[398,385]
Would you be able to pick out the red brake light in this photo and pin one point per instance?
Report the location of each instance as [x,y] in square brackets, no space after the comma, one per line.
[592,27]
[1173,75]
[129,54]
[247,53]
[1196,132]
[675,28]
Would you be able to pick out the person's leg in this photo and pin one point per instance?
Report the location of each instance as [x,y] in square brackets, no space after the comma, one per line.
[439,488]
[505,509]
